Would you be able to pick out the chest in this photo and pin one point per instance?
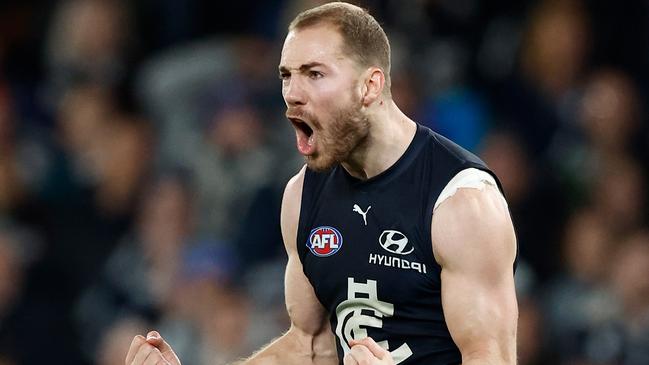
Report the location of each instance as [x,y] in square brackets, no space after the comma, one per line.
[360,244]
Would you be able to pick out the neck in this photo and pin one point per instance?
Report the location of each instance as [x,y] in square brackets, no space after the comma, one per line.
[389,136]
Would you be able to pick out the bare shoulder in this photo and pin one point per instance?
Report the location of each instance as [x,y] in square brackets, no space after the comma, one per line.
[291,208]
[473,228]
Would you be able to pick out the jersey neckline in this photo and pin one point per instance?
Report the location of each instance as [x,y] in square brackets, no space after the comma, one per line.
[396,168]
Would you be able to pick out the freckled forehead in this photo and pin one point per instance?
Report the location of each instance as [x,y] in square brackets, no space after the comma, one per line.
[313,44]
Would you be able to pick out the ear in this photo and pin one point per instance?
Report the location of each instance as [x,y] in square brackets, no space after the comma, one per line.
[373,86]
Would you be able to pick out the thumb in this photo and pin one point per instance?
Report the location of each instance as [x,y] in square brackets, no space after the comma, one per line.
[371,345]
[154,338]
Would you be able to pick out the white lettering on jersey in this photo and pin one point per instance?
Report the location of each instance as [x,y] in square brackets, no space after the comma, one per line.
[397,262]
[321,241]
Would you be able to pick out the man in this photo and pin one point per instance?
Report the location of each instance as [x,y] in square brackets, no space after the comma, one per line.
[400,245]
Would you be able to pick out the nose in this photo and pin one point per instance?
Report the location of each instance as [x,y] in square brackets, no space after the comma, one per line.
[293,92]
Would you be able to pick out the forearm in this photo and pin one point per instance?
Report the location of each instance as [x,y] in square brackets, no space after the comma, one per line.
[294,349]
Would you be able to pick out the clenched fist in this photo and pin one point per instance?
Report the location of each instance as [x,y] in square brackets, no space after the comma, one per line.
[367,352]
[152,350]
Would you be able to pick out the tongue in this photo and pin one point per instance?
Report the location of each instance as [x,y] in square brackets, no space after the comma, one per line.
[305,144]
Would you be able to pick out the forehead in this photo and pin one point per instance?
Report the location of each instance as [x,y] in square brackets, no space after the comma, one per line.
[320,43]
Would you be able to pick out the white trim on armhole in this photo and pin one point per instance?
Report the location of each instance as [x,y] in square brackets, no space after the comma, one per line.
[467,178]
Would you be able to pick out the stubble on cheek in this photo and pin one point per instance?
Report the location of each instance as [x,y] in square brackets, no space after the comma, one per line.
[348,128]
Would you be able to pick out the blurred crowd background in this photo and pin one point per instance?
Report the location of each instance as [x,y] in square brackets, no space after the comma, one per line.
[143,153]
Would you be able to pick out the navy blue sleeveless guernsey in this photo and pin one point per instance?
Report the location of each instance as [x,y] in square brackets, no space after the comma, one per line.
[365,246]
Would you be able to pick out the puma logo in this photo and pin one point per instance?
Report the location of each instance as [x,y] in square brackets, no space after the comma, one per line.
[358,210]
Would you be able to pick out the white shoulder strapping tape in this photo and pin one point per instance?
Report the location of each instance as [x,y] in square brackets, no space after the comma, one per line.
[467,178]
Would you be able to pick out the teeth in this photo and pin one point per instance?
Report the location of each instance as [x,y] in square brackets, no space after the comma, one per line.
[310,140]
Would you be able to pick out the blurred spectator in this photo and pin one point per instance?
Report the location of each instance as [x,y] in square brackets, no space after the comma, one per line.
[89,192]
[535,200]
[19,248]
[23,158]
[624,338]
[555,45]
[11,186]
[619,196]
[610,112]
[630,279]
[217,132]
[140,273]
[208,315]
[88,41]
[579,301]
[84,115]
[124,163]
[184,88]
[108,150]
[230,166]
[607,128]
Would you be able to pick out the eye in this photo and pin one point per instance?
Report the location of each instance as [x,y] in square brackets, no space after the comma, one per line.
[284,76]
[315,74]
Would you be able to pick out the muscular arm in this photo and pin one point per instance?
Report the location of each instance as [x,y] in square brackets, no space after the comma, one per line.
[474,242]
[309,339]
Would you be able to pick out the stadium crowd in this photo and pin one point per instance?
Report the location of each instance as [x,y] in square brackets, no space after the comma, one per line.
[143,153]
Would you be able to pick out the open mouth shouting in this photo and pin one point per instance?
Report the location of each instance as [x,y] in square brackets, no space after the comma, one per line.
[305,136]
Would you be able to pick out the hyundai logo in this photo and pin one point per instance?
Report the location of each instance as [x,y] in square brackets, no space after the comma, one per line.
[395,242]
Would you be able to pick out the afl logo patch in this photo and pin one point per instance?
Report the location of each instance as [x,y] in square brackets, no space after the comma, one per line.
[324,241]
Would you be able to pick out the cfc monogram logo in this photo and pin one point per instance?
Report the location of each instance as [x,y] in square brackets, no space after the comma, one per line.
[352,322]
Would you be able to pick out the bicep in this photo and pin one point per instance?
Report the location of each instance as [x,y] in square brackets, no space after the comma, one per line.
[474,242]
[481,316]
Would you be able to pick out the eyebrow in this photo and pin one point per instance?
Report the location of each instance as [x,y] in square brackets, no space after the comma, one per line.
[303,68]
